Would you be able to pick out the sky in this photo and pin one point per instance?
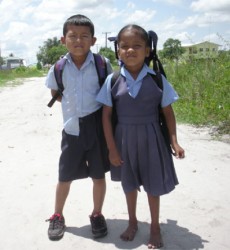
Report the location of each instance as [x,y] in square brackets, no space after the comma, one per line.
[25,25]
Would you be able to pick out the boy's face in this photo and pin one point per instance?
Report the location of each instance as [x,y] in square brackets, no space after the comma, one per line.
[78,40]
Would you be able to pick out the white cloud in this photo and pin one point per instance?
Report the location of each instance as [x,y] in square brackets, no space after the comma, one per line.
[205,20]
[140,16]
[16,29]
[91,3]
[26,24]
[131,5]
[174,2]
[211,5]
[171,2]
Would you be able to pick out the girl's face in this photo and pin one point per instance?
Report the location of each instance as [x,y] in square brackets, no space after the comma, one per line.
[78,40]
[132,49]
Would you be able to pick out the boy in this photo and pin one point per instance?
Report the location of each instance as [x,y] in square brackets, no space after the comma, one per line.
[84,152]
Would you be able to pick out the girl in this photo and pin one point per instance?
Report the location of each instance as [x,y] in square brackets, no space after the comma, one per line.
[138,154]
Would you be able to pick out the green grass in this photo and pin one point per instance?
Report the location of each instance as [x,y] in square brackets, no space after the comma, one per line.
[13,76]
[203,87]
[204,90]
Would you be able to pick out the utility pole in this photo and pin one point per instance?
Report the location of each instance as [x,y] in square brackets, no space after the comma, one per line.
[97,46]
[106,33]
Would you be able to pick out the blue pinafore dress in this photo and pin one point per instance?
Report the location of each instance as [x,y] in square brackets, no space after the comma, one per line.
[138,136]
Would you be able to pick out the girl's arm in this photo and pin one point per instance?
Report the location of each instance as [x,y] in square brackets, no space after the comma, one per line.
[171,124]
[114,155]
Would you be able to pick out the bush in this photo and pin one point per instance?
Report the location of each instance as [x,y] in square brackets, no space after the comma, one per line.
[203,87]
[20,69]
[39,66]
[20,72]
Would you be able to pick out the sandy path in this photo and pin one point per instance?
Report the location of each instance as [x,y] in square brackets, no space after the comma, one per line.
[195,216]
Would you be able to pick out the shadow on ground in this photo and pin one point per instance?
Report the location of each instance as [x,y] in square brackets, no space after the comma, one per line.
[175,237]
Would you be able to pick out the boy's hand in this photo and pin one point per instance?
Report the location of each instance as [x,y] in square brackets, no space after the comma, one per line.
[178,151]
[114,158]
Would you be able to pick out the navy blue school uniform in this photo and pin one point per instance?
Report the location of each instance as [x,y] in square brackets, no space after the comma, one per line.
[147,160]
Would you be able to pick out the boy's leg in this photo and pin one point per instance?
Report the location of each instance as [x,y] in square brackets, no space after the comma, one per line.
[99,189]
[155,240]
[57,222]
[130,232]
[98,223]
[62,191]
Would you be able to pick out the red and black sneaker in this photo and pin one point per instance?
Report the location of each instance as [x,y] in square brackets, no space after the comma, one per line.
[98,224]
[56,227]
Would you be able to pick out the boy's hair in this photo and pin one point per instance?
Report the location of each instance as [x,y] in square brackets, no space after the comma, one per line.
[78,20]
[141,32]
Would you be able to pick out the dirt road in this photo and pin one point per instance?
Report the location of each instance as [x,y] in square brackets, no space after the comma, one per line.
[194,216]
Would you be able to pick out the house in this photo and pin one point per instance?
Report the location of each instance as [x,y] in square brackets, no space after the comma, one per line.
[201,50]
[12,62]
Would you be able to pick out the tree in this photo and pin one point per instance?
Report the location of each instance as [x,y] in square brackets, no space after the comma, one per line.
[39,66]
[51,51]
[172,49]
[108,53]
[1,61]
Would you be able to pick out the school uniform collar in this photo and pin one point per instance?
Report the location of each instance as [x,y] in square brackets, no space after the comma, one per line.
[144,71]
[88,59]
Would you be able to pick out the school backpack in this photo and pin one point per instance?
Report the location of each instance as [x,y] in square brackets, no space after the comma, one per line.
[101,68]
[159,70]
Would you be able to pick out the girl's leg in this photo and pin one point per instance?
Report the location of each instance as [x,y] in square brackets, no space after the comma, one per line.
[155,240]
[99,189]
[129,233]
[62,191]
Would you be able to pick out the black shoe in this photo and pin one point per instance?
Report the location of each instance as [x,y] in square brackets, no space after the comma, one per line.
[98,224]
[57,227]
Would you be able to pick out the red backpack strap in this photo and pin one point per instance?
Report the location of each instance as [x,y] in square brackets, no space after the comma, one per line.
[101,68]
[58,71]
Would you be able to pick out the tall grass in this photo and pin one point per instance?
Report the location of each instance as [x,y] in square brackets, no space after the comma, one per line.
[204,90]
[13,76]
[203,87]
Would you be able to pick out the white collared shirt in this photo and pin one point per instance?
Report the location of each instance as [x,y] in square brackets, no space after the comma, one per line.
[81,87]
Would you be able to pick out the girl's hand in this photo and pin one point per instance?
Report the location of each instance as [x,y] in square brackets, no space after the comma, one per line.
[178,151]
[114,158]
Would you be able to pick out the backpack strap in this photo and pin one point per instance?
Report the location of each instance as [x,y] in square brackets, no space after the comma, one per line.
[158,79]
[58,71]
[114,78]
[101,68]
[114,119]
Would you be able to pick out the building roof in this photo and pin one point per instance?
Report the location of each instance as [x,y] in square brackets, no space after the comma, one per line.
[12,58]
[205,42]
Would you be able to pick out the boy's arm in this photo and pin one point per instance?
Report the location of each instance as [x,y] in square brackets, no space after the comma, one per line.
[53,93]
[171,124]
[114,155]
